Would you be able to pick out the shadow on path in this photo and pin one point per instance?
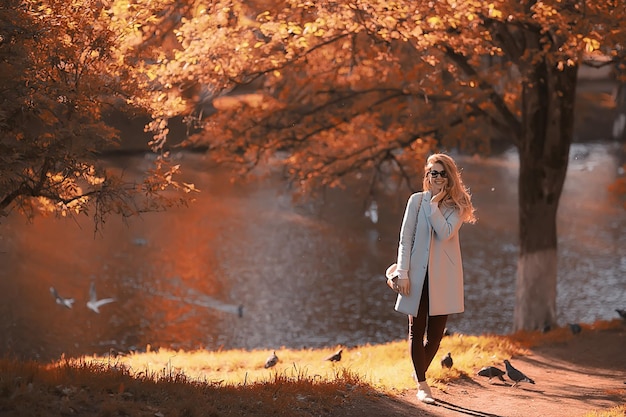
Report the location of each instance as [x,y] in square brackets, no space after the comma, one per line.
[464,410]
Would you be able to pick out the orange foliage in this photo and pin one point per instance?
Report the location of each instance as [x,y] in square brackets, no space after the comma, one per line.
[321,90]
[353,86]
[61,72]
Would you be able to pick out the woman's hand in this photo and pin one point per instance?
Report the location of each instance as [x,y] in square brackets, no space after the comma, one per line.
[404,286]
[437,198]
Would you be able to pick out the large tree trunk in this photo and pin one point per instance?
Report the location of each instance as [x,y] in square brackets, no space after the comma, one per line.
[547,132]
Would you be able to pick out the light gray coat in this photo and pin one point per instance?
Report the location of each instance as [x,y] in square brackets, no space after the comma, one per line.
[430,240]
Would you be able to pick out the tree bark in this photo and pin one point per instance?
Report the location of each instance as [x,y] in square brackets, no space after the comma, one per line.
[547,131]
[619,123]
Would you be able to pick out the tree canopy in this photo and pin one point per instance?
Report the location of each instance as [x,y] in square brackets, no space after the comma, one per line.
[346,85]
[61,72]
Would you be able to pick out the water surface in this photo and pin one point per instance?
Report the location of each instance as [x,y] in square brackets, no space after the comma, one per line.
[246,266]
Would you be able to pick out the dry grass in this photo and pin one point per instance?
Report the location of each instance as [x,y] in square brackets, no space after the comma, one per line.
[619,411]
[205,383]
[97,389]
[384,367]
[561,334]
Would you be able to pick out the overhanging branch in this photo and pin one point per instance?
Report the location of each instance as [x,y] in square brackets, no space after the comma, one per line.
[497,100]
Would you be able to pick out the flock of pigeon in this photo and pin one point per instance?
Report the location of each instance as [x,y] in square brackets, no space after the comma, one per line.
[93,303]
[514,374]
[273,359]
[490,372]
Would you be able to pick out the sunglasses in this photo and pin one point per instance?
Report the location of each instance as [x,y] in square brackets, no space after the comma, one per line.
[435,174]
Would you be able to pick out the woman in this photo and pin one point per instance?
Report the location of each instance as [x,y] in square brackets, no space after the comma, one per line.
[429,268]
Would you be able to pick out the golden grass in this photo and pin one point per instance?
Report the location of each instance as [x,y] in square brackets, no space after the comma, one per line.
[562,334]
[78,387]
[385,367]
[235,382]
[619,411]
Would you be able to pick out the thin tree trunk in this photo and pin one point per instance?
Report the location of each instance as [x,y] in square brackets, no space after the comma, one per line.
[619,123]
[547,119]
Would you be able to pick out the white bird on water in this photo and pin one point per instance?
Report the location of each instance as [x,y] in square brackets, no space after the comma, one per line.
[65,302]
[372,212]
[95,304]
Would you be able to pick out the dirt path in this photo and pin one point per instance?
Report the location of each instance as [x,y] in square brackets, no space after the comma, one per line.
[572,378]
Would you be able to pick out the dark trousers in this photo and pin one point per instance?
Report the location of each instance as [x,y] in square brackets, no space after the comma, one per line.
[423,349]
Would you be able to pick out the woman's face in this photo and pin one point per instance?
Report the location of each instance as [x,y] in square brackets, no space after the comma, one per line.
[438,177]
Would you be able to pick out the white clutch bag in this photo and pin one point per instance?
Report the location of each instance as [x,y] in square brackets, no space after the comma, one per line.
[392,277]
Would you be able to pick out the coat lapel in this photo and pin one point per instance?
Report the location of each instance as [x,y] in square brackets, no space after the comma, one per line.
[447,211]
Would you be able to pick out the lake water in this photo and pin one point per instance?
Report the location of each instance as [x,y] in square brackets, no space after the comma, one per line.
[247,267]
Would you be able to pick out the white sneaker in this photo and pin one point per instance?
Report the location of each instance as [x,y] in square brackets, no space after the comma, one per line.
[423,393]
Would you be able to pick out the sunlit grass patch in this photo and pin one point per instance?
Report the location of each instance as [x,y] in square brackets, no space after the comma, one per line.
[79,387]
[619,411]
[560,334]
[385,367]
[232,367]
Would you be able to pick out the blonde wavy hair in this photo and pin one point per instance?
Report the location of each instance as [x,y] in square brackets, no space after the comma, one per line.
[458,194]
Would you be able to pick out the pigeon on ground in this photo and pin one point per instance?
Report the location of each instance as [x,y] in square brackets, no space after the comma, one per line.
[271,360]
[94,304]
[446,361]
[114,353]
[492,372]
[622,313]
[575,328]
[516,375]
[65,302]
[335,357]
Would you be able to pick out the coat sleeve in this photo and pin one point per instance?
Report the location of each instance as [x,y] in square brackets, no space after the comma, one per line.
[445,226]
[407,234]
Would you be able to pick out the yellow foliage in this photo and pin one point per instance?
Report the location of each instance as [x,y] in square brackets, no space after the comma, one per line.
[494,13]
[591,44]
[434,21]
